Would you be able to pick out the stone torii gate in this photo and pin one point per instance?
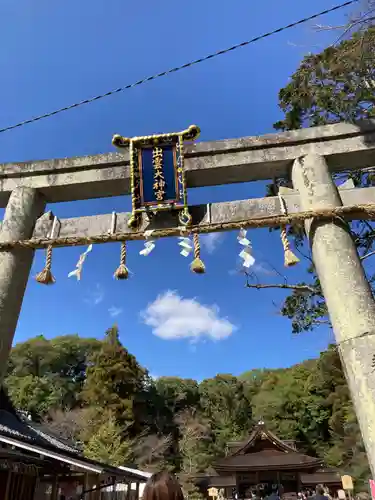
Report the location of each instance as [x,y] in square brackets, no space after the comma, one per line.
[308,157]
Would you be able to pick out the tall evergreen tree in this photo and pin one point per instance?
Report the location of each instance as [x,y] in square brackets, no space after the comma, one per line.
[108,446]
[114,378]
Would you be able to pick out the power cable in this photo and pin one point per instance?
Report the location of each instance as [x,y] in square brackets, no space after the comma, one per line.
[179,68]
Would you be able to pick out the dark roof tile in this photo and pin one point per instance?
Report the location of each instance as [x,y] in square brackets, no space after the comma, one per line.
[13,425]
[321,477]
[267,459]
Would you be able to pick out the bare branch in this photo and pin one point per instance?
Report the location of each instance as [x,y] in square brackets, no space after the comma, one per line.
[299,46]
[321,322]
[370,254]
[363,19]
[298,288]
[309,258]
[151,449]
[322,27]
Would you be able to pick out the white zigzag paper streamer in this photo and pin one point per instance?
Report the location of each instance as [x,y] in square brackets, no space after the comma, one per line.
[246,252]
[78,271]
[149,244]
[186,245]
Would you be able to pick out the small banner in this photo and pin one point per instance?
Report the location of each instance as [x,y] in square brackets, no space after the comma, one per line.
[212,492]
[372,488]
[347,482]
[157,173]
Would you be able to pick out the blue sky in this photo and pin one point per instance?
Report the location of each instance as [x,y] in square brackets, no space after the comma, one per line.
[55,53]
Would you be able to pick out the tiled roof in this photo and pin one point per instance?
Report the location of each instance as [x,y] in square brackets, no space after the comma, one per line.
[267,459]
[15,426]
[264,450]
[20,429]
[260,432]
[9,424]
[222,481]
[54,441]
[321,477]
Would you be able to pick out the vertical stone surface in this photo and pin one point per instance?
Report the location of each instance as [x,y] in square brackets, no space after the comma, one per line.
[25,205]
[347,293]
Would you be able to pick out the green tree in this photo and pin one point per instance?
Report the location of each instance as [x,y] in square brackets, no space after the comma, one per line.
[177,395]
[32,357]
[346,450]
[310,403]
[152,411]
[336,85]
[34,395]
[113,380]
[157,406]
[225,405]
[291,409]
[253,380]
[107,444]
[65,356]
[190,490]
[53,370]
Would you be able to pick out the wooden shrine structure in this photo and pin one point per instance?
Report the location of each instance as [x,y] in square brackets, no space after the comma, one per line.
[306,158]
[36,465]
[262,460]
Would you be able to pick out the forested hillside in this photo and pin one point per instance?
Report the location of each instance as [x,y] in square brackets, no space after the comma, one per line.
[96,393]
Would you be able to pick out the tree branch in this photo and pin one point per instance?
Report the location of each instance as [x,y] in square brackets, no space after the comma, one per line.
[321,322]
[363,19]
[370,254]
[327,27]
[298,288]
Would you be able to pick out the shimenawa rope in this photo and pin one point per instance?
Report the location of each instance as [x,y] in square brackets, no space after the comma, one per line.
[366,211]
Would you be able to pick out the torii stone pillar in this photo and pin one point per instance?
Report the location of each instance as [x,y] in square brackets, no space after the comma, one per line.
[346,290]
[25,205]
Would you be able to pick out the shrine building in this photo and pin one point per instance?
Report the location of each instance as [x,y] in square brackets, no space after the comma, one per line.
[264,460]
[37,465]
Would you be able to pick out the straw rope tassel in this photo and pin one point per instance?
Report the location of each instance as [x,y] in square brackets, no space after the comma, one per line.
[122,272]
[290,259]
[45,277]
[197,265]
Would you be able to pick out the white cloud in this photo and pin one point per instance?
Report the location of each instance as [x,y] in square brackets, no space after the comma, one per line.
[211,241]
[115,311]
[95,296]
[173,317]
